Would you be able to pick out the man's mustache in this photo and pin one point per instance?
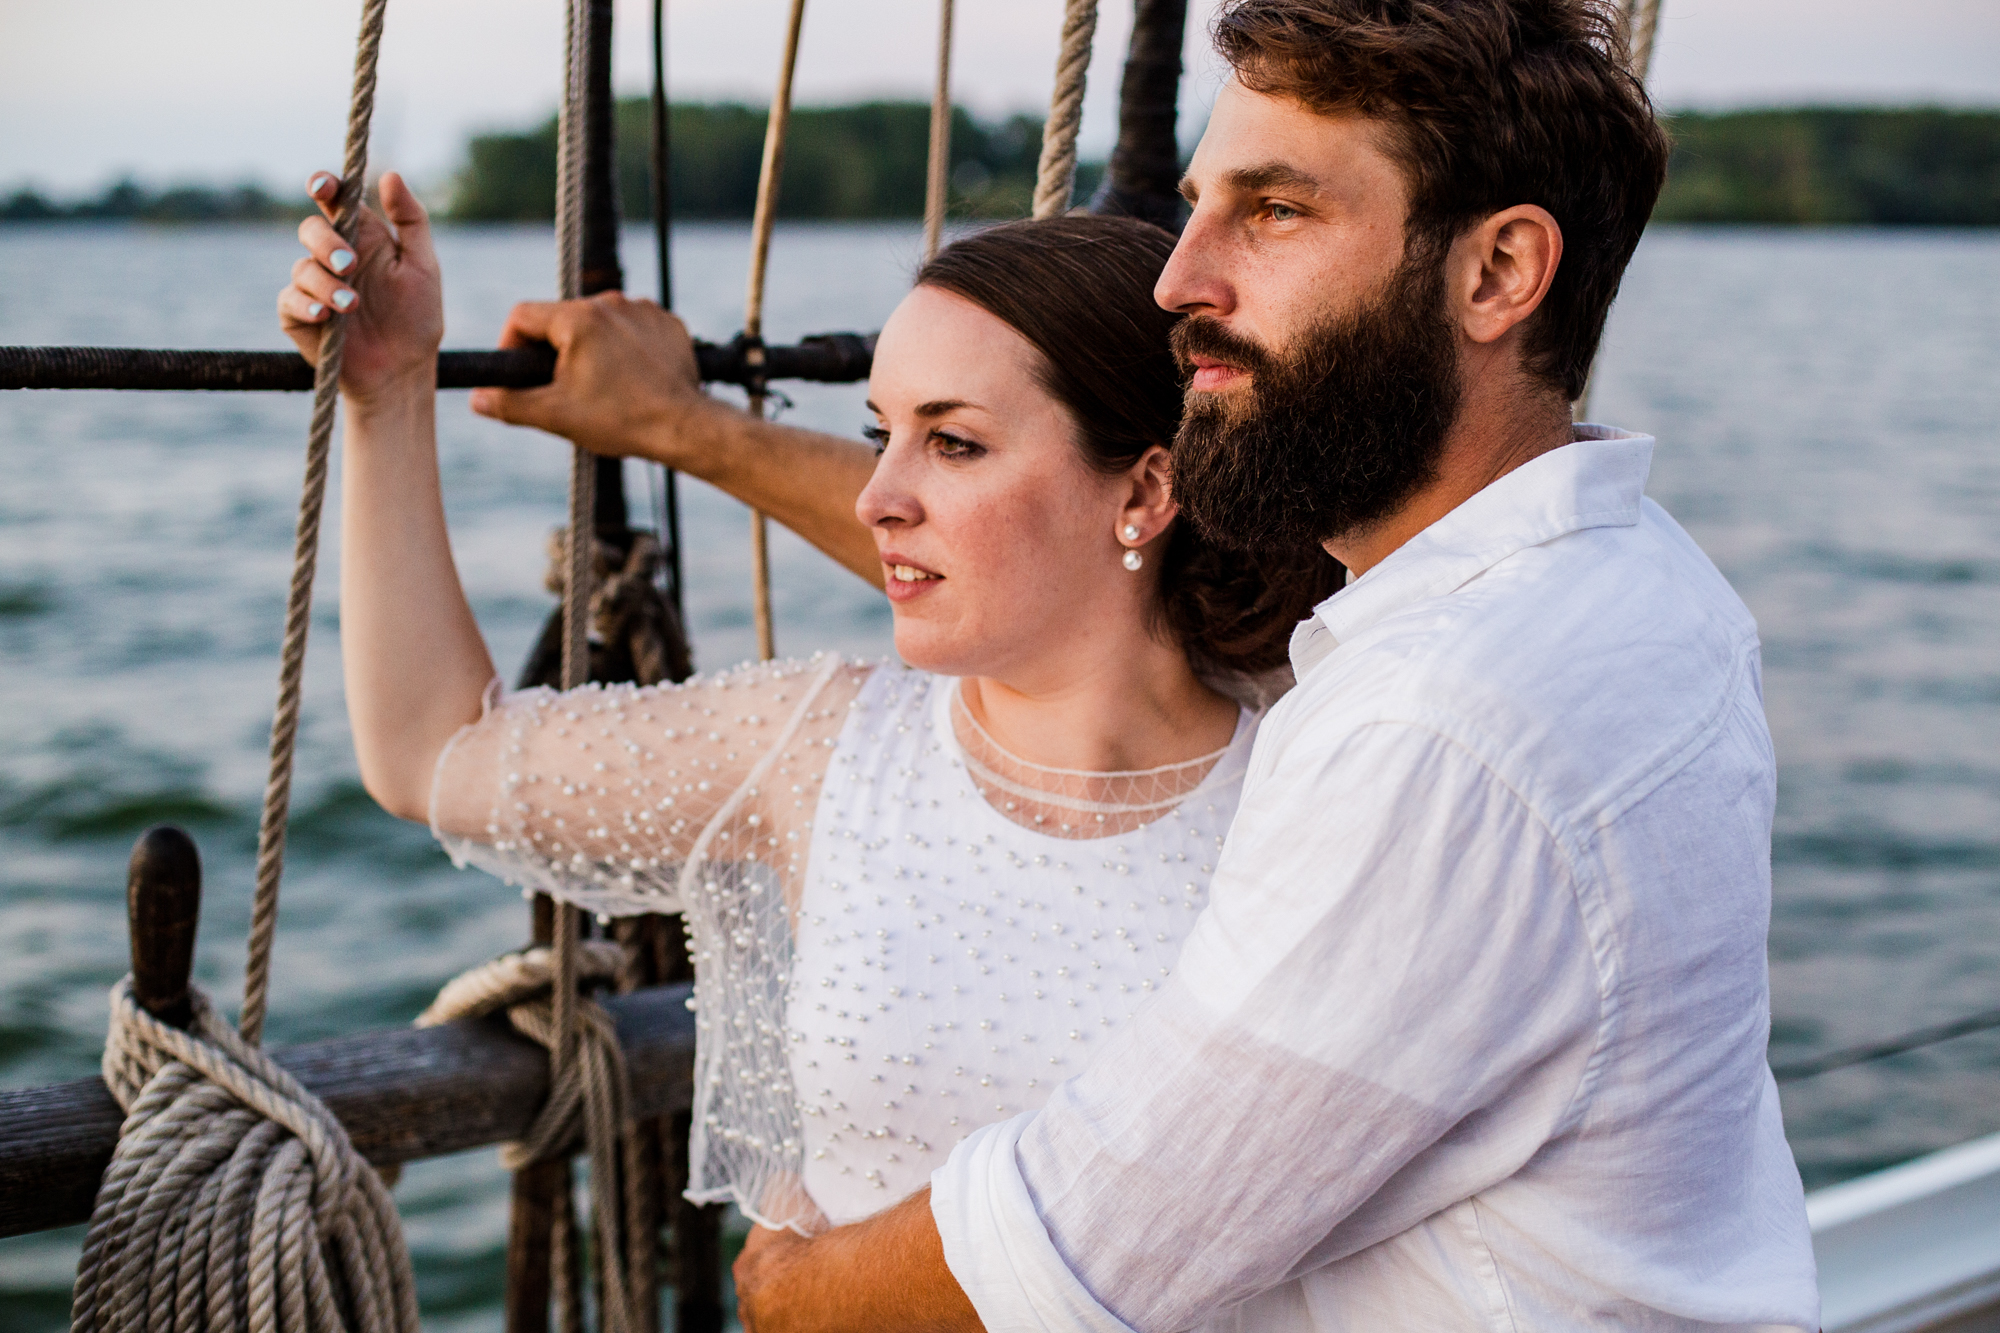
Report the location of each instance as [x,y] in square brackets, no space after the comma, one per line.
[1205,335]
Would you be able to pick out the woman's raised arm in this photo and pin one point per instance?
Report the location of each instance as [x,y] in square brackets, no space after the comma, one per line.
[416,666]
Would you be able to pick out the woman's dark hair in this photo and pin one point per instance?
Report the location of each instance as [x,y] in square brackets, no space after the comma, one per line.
[1080,290]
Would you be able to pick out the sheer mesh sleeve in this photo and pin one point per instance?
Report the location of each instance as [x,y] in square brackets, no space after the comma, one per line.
[608,797]
[695,798]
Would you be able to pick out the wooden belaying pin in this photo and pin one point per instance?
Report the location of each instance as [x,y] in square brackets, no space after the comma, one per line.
[163,907]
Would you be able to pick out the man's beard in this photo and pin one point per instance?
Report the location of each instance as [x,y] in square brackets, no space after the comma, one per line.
[1331,435]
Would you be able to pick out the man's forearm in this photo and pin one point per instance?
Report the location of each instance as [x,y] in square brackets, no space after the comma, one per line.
[805,479]
[885,1274]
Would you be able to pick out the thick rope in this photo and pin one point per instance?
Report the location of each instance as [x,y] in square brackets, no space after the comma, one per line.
[305,555]
[1639,26]
[234,1200]
[1055,177]
[937,171]
[589,1092]
[761,223]
[1642,28]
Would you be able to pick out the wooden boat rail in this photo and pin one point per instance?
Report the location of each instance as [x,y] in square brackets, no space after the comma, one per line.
[402,1094]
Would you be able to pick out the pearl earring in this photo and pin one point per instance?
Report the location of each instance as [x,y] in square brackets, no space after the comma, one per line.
[1133,559]
[1130,532]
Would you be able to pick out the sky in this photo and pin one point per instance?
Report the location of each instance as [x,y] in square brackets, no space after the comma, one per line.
[227,90]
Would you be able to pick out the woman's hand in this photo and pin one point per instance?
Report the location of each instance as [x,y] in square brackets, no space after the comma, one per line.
[625,384]
[386,286]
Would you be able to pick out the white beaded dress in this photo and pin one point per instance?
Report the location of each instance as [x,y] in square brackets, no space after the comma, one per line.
[900,932]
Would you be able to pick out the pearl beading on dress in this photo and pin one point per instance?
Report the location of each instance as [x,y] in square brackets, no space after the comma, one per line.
[884,959]
[953,967]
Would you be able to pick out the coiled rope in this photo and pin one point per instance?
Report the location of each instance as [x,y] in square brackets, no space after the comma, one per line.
[234,1199]
[1055,175]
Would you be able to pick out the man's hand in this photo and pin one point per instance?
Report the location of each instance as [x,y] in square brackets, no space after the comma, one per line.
[885,1274]
[625,383]
[626,387]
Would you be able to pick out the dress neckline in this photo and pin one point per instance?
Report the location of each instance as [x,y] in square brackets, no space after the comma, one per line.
[1229,764]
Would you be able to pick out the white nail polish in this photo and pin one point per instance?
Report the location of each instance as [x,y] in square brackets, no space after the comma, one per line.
[342,300]
[317,183]
[340,260]
[313,311]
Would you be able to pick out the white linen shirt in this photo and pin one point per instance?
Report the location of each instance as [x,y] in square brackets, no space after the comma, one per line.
[1472,1033]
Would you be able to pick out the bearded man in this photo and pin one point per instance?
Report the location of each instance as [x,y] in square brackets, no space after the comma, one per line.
[1472,1034]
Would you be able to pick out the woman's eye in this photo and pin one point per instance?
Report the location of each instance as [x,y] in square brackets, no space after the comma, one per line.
[952,446]
[876,436]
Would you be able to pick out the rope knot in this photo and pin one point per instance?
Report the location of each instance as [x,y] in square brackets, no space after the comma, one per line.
[234,1198]
[587,1097]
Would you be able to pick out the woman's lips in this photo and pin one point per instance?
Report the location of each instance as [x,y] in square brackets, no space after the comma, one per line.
[904,580]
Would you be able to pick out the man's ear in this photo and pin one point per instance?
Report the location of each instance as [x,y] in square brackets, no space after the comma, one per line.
[1502,268]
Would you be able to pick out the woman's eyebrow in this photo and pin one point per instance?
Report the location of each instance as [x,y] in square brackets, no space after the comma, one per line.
[940,406]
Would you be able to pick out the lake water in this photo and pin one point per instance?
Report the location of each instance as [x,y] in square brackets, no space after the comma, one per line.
[1828,407]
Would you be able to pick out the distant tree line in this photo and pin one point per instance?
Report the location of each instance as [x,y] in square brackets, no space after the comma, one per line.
[1806,165]
[129,201]
[845,162]
[1832,165]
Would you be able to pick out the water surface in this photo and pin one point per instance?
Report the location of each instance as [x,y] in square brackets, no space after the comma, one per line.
[1826,404]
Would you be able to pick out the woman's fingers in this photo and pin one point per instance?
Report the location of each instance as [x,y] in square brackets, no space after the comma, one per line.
[326,245]
[407,214]
[324,188]
[371,234]
[310,277]
[300,307]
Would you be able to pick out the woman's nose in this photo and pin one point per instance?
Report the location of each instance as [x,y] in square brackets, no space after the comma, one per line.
[889,495]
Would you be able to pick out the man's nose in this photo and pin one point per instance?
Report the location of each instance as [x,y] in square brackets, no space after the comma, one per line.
[1195,280]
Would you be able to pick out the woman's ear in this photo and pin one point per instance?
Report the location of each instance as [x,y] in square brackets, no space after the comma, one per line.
[1149,505]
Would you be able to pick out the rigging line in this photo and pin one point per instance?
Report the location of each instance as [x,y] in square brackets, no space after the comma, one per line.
[1639,26]
[1880,1050]
[937,178]
[305,553]
[1055,174]
[666,509]
[768,178]
[1642,27]
[579,546]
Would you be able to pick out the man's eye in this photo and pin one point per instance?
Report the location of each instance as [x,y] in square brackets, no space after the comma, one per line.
[1283,212]
[876,436]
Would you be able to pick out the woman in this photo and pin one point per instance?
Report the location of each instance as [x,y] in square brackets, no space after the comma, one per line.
[918,895]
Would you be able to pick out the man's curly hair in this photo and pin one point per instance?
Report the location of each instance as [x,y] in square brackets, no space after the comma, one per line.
[1490,103]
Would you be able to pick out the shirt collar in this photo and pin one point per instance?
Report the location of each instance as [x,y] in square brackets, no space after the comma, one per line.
[1596,481]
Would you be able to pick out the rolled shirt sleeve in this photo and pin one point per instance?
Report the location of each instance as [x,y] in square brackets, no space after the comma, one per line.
[1391,1003]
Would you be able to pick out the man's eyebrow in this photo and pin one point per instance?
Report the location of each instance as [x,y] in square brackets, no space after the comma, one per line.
[1271,176]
